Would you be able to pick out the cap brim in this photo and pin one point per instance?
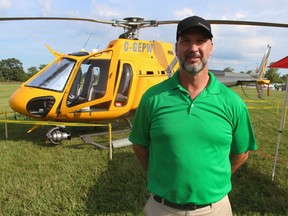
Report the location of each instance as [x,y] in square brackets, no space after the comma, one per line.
[191,28]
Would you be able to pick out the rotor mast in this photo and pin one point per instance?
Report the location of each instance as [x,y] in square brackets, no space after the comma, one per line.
[132,25]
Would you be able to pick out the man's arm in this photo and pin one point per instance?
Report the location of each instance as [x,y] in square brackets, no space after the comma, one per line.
[142,154]
[237,160]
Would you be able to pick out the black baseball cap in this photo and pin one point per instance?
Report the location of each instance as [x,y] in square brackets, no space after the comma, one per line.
[193,22]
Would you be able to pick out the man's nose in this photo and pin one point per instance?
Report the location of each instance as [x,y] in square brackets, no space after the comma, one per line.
[193,47]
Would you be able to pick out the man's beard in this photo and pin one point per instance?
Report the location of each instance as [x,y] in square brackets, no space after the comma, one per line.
[191,68]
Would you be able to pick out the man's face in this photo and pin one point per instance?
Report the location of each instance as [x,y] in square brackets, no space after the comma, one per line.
[193,50]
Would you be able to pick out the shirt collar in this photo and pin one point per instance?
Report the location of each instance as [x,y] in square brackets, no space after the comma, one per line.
[213,87]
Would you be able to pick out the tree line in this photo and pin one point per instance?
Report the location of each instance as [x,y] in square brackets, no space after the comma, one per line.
[11,69]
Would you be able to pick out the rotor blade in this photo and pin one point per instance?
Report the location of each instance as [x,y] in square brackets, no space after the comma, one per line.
[250,23]
[147,23]
[230,22]
[55,18]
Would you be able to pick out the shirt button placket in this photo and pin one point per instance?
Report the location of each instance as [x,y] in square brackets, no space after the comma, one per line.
[191,108]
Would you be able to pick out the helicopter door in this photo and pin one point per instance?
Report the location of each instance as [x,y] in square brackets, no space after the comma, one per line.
[124,86]
[90,82]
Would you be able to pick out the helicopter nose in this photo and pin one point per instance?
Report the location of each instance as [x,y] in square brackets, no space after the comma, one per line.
[18,101]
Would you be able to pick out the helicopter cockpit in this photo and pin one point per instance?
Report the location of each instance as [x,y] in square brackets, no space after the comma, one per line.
[89,84]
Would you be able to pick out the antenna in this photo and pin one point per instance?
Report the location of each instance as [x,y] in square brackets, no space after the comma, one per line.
[86,41]
[96,49]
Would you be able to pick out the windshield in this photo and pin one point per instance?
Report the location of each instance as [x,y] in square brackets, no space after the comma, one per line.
[55,76]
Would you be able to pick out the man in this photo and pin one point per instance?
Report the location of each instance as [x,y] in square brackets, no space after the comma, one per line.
[191,132]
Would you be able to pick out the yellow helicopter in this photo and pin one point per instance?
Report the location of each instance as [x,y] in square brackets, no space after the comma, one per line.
[106,84]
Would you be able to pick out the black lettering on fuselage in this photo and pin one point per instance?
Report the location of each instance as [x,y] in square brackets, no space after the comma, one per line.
[138,47]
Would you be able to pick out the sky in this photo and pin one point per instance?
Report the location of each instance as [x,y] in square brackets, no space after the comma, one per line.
[238,47]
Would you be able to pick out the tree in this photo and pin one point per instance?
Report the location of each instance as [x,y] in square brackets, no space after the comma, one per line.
[249,72]
[273,75]
[31,71]
[42,66]
[12,69]
[285,78]
[228,69]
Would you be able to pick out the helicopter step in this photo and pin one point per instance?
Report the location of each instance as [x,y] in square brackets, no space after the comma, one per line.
[119,143]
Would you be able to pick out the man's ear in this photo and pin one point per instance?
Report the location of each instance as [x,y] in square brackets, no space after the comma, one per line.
[212,45]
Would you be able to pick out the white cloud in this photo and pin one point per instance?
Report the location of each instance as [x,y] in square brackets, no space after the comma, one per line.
[103,10]
[45,6]
[185,12]
[240,15]
[235,16]
[5,4]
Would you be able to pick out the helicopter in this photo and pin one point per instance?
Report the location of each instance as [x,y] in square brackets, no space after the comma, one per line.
[107,84]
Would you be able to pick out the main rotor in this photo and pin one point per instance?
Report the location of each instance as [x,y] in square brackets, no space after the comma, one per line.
[132,25]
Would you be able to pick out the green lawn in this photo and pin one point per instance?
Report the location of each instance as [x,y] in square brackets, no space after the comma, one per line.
[74,178]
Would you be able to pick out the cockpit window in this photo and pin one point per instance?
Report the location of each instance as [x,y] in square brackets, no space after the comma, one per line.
[55,76]
[125,82]
[90,82]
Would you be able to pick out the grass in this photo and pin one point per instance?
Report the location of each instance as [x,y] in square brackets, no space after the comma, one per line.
[74,178]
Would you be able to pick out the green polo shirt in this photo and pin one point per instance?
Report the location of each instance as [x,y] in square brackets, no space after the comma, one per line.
[190,141]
